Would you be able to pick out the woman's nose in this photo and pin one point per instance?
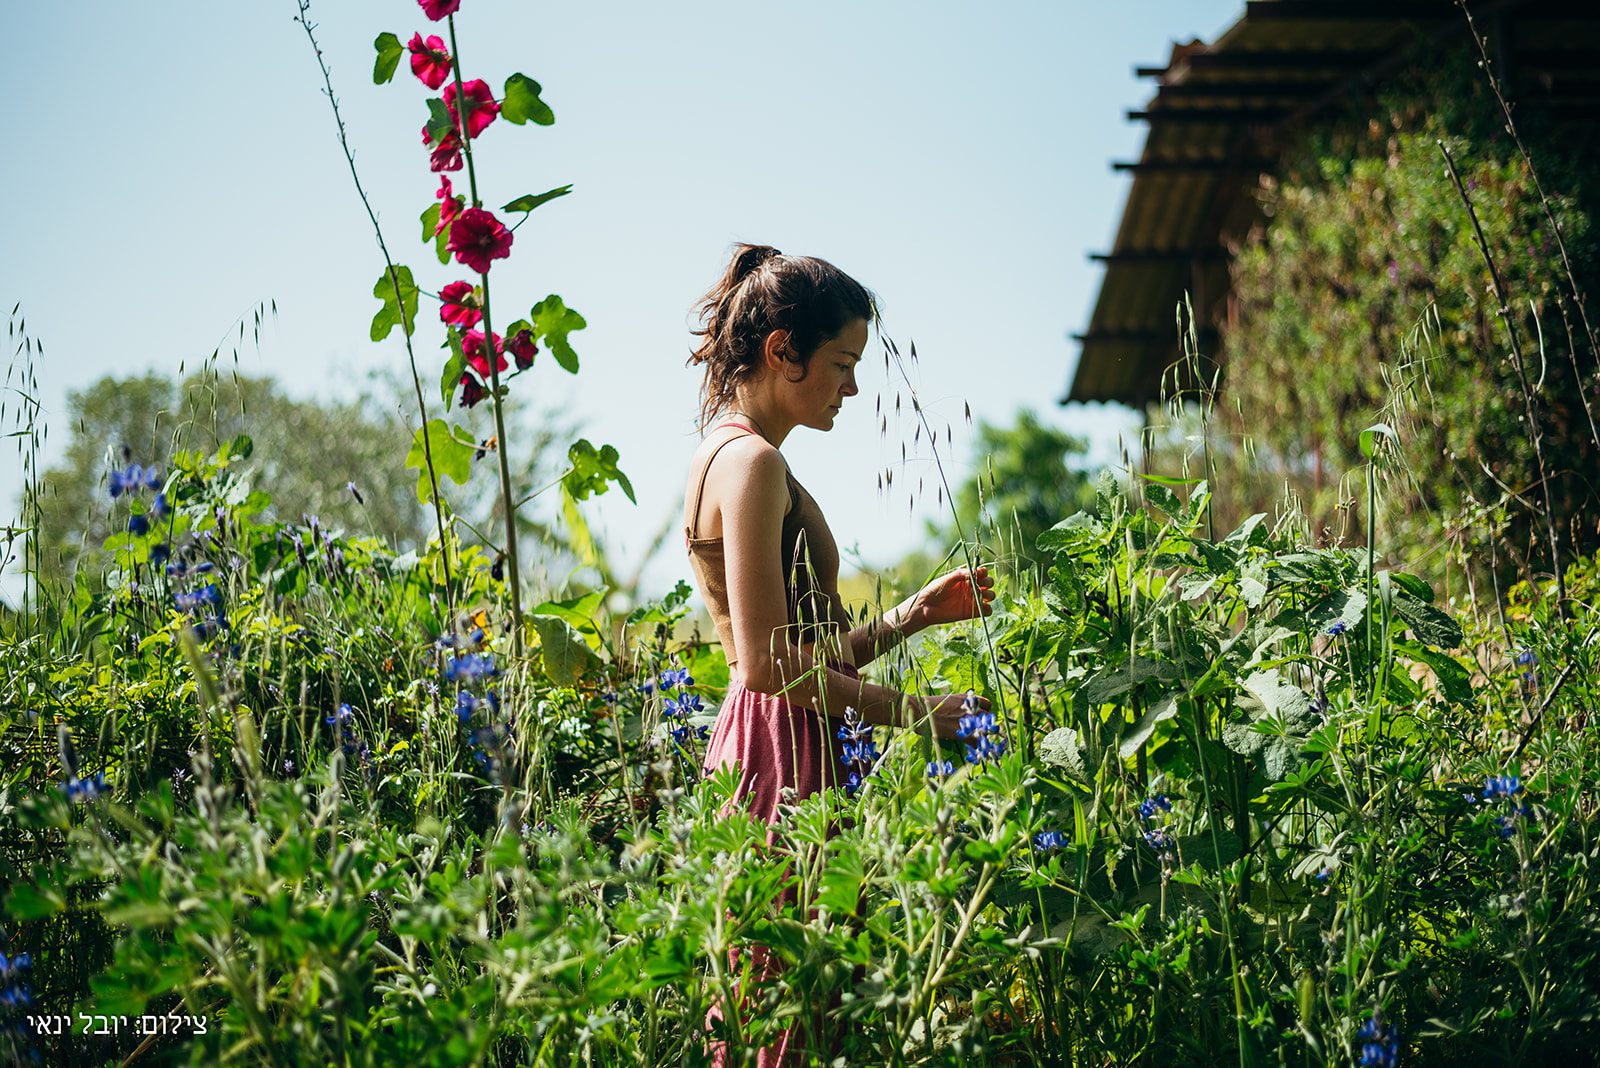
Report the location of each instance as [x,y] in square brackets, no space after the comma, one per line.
[850,389]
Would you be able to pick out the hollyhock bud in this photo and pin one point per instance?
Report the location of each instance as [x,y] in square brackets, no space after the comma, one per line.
[472,391]
[477,238]
[438,9]
[472,349]
[459,305]
[429,60]
[449,204]
[446,155]
[481,106]
[523,349]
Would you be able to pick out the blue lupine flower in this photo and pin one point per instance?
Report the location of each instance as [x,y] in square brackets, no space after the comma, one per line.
[138,525]
[975,724]
[1501,786]
[1380,1043]
[969,703]
[940,769]
[1338,628]
[1149,806]
[470,668]
[985,749]
[81,791]
[1049,841]
[678,677]
[158,506]
[1160,841]
[1324,875]
[345,717]
[159,554]
[9,966]
[858,752]
[466,705]
[1527,656]
[976,728]
[1530,678]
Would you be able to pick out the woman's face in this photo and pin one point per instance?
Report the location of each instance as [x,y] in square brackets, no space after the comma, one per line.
[830,377]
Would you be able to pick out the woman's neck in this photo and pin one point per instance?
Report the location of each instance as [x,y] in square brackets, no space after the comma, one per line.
[769,420]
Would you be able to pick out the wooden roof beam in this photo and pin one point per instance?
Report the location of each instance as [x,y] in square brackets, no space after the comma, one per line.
[1179,256]
[1189,166]
[1257,61]
[1229,90]
[1138,337]
[1401,10]
[1217,115]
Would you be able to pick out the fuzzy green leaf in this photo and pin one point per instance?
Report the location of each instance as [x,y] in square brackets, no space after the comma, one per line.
[566,655]
[521,102]
[389,51]
[440,125]
[1430,625]
[1145,726]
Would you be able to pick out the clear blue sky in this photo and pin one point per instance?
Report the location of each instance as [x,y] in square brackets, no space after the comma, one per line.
[171,167]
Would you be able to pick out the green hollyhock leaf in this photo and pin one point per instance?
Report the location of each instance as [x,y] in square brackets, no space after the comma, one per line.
[453,368]
[452,455]
[389,52]
[1430,625]
[401,312]
[521,102]
[592,470]
[430,223]
[553,321]
[529,201]
[440,125]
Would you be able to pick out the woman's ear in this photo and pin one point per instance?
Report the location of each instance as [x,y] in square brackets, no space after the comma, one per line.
[775,351]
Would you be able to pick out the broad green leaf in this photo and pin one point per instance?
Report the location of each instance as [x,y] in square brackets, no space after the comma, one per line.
[1246,534]
[1369,438]
[1273,695]
[430,220]
[580,612]
[592,469]
[842,877]
[1253,583]
[1145,726]
[521,102]
[440,125]
[1063,748]
[239,448]
[1164,499]
[398,294]
[1077,529]
[452,456]
[389,51]
[1118,679]
[529,201]
[566,655]
[1430,625]
[1415,586]
[1342,606]
[1455,681]
[553,321]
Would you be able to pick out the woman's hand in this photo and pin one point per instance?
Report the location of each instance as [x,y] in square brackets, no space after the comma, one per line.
[945,712]
[950,598]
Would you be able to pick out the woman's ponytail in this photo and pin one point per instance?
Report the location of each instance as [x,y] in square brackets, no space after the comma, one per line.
[763,290]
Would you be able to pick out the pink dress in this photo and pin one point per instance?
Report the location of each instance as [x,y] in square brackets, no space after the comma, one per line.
[783,752]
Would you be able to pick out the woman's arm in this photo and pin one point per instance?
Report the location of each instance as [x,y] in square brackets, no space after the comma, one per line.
[753,495]
[957,595]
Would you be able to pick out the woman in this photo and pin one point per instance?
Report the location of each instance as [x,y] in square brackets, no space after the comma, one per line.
[782,336]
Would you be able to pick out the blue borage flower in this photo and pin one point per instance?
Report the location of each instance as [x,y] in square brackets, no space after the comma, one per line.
[858,753]
[1380,1043]
[1049,841]
[82,791]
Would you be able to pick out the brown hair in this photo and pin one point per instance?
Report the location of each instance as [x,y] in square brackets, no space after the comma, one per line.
[761,291]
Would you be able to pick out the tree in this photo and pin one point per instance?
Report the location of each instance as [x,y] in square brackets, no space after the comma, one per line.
[1026,481]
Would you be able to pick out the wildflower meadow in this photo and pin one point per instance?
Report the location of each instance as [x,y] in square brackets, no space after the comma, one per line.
[281,791]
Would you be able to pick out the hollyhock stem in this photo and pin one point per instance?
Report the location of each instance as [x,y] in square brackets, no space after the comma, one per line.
[405,328]
[514,575]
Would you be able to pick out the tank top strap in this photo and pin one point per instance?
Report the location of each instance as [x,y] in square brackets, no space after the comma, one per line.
[700,487]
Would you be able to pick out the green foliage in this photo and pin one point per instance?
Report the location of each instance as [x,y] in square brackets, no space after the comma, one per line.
[553,321]
[520,102]
[389,50]
[451,453]
[397,293]
[593,469]
[529,201]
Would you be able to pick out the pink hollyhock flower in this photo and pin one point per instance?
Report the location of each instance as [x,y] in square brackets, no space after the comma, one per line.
[438,9]
[481,105]
[459,305]
[449,204]
[472,349]
[523,349]
[446,154]
[477,237]
[472,391]
[429,60]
